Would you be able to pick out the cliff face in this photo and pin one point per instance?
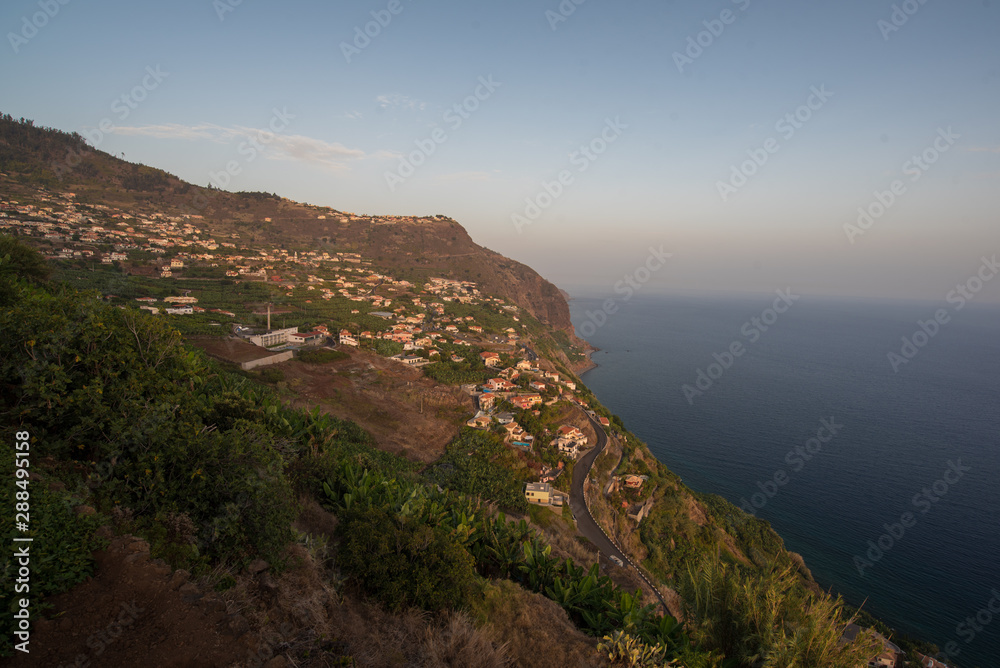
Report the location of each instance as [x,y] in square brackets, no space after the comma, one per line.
[437,246]
[423,246]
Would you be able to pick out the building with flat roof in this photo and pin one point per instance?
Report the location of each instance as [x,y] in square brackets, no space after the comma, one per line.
[538,492]
[274,337]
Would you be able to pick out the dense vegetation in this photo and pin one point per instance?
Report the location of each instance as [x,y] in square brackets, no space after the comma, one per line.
[765,619]
[206,464]
[152,433]
[498,548]
[479,463]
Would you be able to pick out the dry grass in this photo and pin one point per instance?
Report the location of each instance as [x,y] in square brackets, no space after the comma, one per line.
[537,631]
[310,618]
[563,539]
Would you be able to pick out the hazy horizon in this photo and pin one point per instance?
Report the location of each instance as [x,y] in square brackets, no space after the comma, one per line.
[741,137]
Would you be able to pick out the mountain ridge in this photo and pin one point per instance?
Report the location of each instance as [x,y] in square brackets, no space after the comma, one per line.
[424,245]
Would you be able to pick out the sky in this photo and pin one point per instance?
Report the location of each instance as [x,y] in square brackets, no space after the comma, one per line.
[841,149]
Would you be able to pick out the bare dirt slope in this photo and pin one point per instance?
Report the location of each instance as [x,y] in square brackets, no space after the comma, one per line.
[134,612]
[407,413]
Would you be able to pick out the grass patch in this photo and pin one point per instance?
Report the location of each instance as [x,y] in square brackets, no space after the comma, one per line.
[541,515]
[321,356]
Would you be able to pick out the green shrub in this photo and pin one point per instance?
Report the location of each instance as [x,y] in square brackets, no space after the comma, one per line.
[479,464]
[403,563]
[272,375]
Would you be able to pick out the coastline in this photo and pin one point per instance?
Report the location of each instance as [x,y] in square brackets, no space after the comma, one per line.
[589,365]
[909,631]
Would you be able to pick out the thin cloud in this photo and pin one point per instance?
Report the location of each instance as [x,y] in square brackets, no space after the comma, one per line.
[172,131]
[315,151]
[298,148]
[984,149]
[398,101]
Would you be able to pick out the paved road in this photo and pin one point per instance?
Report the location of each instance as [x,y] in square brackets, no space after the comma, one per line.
[585,521]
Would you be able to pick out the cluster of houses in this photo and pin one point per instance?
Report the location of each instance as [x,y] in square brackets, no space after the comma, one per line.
[77,230]
[84,231]
[568,440]
[178,306]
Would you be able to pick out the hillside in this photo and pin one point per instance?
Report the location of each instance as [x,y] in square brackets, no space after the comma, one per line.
[361,498]
[416,246]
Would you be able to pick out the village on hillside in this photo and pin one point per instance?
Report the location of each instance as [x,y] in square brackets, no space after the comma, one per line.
[338,301]
[274,304]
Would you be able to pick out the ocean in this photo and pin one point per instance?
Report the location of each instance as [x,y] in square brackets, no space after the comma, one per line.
[884,473]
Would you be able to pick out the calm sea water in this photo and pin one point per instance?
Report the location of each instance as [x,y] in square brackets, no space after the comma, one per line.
[934,425]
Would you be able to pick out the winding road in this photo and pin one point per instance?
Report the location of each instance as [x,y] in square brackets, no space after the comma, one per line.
[585,522]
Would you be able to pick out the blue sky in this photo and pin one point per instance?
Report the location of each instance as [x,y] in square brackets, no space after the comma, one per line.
[664,130]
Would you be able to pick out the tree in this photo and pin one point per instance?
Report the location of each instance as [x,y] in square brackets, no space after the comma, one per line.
[404,563]
[19,262]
